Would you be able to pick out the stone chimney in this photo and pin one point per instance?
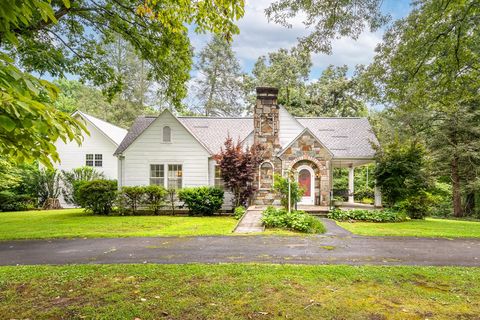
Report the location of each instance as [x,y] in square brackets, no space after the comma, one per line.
[266,121]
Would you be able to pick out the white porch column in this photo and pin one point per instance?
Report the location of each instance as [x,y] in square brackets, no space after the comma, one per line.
[351,175]
[378,197]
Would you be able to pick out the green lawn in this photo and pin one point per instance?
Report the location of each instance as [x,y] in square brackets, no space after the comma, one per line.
[238,291]
[72,223]
[417,228]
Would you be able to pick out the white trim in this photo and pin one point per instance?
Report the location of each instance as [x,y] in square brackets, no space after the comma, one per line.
[260,174]
[311,199]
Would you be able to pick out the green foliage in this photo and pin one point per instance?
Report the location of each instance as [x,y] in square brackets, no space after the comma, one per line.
[130,198]
[401,171]
[295,220]
[418,206]
[122,110]
[29,124]
[155,197]
[328,20]
[10,201]
[98,196]
[385,215]
[47,183]
[72,180]
[219,89]
[239,212]
[202,200]
[280,186]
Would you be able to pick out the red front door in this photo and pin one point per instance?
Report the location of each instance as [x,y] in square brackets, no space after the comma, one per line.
[305,181]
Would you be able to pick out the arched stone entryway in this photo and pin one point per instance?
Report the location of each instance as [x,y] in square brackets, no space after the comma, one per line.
[313,175]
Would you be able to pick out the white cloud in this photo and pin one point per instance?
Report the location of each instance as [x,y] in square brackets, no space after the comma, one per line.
[259,37]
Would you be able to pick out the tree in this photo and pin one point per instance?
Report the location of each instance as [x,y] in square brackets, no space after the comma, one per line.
[335,95]
[59,37]
[328,19]
[77,96]
[285,70]
[238,166]
[219,84]
[427,70]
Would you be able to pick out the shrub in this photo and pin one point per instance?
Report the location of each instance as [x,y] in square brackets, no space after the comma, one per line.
[295,220]
[280,186]
[171,195]
[155,197]
[239,212]
[72,180]
[131,198]
[202,200]
[98,196]
[385,215]
[418,206]
[10,201]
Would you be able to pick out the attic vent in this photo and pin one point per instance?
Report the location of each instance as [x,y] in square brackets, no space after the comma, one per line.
[339,136]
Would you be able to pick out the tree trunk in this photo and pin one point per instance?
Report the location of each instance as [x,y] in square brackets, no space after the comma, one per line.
[470,204]
[457,197]
[52,203]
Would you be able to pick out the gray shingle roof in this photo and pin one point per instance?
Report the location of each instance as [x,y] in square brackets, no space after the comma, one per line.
[344,137]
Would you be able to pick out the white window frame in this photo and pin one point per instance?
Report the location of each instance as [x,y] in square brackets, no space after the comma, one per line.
[166,170]
[160,179]
[163,134]
[87,159]
[98,157]
[221,184]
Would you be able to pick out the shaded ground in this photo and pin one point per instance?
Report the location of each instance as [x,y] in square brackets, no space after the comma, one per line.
[238,291]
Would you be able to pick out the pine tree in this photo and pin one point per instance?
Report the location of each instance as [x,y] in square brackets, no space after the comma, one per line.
[218,87]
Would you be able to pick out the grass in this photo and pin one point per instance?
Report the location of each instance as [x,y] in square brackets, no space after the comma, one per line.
[238,291]
[442,228]
[74,223]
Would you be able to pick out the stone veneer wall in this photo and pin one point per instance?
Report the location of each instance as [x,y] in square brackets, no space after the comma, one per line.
[266,127]
[307,150]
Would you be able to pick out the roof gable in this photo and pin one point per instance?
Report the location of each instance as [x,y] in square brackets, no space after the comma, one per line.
[301,134]
[141,124]
[112,132]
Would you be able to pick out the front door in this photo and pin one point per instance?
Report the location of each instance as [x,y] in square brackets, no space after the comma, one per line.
[306,180]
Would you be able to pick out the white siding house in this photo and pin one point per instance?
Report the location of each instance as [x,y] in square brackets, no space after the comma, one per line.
[159,157]
[96,149]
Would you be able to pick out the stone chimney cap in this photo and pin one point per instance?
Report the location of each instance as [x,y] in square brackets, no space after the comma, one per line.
[267,91]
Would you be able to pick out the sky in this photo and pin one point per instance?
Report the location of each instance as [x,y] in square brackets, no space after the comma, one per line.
[259,37]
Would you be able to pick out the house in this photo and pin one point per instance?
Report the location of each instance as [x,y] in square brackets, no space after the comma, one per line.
[96,151]
[177,151]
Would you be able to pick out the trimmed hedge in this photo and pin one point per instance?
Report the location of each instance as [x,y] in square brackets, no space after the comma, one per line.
[384,215]
[97,196]
[202,200]
[295,220]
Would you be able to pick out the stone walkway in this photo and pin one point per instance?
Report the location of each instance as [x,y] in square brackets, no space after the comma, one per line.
[251,221]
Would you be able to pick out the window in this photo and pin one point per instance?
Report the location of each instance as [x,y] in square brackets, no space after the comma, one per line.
[219,183]
[175,175]
[167,134]
[98,160]
[266,176]
[89,160]
[157,174]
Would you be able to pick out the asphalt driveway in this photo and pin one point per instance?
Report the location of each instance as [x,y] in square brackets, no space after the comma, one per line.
[337,246]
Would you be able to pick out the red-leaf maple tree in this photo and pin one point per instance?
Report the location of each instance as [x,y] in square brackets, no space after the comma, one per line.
[238,166]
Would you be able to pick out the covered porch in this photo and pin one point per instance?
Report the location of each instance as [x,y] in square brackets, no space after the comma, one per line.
[343,193]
